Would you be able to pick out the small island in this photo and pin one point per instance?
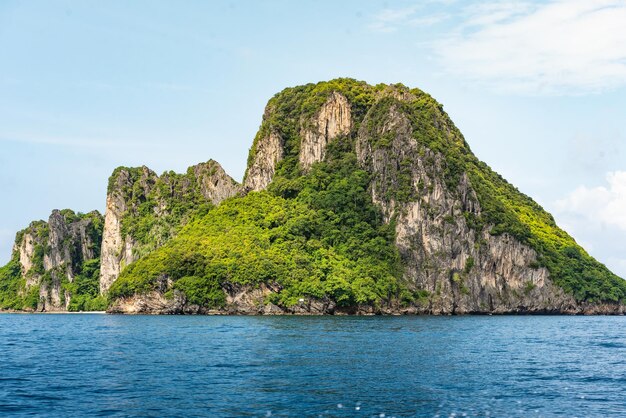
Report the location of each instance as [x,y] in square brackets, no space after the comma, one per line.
[357,199]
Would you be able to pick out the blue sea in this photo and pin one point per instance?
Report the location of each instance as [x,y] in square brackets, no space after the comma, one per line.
[219,366]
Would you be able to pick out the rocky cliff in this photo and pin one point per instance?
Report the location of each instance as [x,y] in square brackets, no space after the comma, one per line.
[54,256]
[330,121]
[466,240]
[357,199]
[333,119]
[463,270]
[144,210]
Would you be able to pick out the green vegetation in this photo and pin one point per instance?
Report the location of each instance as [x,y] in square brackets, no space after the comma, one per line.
[263,238]
[83,290]
[13,292]
[316,235]
[529,287]
[158,206]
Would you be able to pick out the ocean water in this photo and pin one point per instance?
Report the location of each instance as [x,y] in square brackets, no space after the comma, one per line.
[103,365]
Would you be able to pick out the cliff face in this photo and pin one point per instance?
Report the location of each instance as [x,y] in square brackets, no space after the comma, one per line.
[463,270]
[357,199]
[52,254]
[144,210]
[269,152]
[332,120]
[117,250]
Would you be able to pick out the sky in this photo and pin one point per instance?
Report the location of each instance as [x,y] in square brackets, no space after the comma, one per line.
[537,88]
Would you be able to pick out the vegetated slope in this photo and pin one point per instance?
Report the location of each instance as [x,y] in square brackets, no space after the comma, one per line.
[328,243]
[144,210]
[369,199]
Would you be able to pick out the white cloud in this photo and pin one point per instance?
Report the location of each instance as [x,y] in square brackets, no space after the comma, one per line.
[596,217]
[483,14]
[559,47]
[388,20]
[605,205]
[391,20]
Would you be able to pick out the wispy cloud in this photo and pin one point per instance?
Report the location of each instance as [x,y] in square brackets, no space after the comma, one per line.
[560,47]
[596,216]
[604,206]
[490,13]
[391,20]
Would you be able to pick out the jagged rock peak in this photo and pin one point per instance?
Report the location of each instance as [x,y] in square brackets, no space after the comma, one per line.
[215,185]
[300,122]
[164,203]
[52,253]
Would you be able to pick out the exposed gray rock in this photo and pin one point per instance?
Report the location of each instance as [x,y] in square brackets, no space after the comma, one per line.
[462,271]
[215,185]
[332,120]
[53,252]
[131,187]
[116,249]
[269,151]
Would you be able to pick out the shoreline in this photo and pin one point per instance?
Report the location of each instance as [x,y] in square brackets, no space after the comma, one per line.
[55,312]
[467,314]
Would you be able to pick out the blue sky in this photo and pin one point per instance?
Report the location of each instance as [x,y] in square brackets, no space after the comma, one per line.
[537,88]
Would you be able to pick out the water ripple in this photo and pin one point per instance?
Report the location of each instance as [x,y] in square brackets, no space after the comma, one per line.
[86,365]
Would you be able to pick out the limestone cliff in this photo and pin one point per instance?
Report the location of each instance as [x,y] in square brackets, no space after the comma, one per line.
[125,185]
[268,153]
[462,270]
[144,210]
[357,199]
[332,120]
[52,254]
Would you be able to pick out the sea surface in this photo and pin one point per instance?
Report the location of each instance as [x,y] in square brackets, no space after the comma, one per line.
[166,366]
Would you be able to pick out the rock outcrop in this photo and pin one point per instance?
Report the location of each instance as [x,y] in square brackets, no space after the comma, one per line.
[144,210]
[268,152]
[125,185]
[463,271]
[441,234]
[332,120]
[213,182]
[51,254]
